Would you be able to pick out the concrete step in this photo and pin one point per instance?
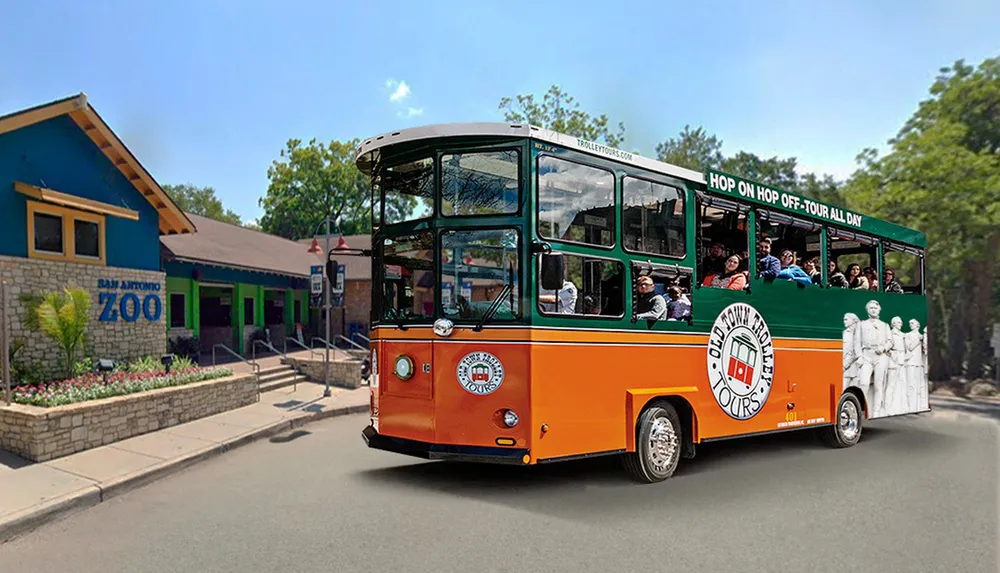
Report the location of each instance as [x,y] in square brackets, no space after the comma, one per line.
[276,374]
[282,382]
[274,369]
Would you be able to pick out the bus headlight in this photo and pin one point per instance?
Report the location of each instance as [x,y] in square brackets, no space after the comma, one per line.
[510,418]
[404,367]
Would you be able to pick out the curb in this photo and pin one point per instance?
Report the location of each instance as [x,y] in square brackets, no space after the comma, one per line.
[53,510]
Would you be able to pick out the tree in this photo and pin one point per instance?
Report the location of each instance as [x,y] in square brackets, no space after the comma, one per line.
[63,317]
[558,111]
[316,179]
[201,201]
[942,176]
[695,150]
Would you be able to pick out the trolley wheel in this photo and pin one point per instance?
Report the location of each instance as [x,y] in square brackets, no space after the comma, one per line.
[846,430]
[657,445]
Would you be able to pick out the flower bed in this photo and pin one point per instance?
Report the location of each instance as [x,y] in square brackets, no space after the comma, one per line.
[93,387]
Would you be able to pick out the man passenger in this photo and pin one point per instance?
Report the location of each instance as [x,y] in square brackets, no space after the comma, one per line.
[649,305]
[564,304]
[715,262]
[768,266]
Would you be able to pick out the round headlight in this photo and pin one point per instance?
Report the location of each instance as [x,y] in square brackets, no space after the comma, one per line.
[510,418]
[404,367]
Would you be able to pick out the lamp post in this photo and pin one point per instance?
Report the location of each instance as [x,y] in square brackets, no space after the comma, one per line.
[314,249]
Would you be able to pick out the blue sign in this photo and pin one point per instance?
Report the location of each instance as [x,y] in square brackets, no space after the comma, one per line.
[130,305]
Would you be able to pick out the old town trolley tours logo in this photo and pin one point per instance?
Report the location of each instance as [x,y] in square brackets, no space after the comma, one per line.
[480,373]
[740,361]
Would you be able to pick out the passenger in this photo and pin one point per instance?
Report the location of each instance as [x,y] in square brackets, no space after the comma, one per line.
[891,285]
[715,262]
[872,279]
[792,272]
[731,278]
[837,278]
[768,266]
[855,280]
[811,267]
[679,307]
[566,303]
[649,305]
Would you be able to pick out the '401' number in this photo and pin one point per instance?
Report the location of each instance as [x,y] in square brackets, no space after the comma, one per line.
[129,307]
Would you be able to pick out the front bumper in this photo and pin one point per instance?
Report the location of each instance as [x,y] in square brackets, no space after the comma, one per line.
[428,451]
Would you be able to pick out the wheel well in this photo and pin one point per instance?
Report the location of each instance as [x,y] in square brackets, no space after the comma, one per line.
[861,399]
[684,411]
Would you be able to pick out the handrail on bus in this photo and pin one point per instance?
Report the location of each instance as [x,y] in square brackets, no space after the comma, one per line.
[253,365]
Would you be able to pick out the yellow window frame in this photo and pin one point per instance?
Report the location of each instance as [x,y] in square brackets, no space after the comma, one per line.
[69,218]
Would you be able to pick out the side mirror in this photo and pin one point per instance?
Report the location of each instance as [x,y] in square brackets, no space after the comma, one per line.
[552,271]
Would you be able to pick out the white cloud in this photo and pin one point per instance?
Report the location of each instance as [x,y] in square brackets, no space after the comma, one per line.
[400,90]
[411,112]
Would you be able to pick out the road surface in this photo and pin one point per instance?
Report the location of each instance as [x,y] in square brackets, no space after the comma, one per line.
[917,494]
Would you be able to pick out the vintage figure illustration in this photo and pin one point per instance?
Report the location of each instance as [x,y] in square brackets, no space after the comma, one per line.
[887,364]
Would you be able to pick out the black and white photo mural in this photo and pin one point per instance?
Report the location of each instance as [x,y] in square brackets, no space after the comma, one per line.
[886,363]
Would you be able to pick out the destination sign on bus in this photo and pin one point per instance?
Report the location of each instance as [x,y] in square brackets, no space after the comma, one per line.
[766,195]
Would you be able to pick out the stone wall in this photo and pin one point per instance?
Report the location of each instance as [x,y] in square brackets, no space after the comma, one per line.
[118,339]
[41,434]
[343,373]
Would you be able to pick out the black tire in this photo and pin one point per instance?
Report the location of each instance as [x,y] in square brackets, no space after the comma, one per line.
[641,464]
[849,414]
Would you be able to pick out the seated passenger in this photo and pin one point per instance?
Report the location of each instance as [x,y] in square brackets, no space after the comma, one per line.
[679,307]
[855,280]
[731,278]
[648,304]
[891,284]
[872,279]
[768,265]
[837,278]
[715,262]
[565,304]
[811,267]
[790,271]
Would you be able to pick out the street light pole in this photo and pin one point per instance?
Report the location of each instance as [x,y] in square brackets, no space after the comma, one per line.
[326,295]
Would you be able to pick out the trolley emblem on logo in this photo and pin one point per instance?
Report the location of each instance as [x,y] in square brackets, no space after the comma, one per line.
[480,373]
[740,361]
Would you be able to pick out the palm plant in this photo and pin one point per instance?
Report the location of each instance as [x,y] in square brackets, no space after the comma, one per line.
[63,316]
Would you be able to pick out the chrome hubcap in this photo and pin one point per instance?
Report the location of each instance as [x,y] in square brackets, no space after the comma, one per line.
[849,421]
[662,444]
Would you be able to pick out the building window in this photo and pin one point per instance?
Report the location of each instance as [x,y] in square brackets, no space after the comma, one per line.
[48,233]
[177,309]
[248,312]
[57,233]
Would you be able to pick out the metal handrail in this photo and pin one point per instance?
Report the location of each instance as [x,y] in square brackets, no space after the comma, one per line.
[366,339]
[323,340]
[352,343]
[253,365]
[312,351]
[267,344]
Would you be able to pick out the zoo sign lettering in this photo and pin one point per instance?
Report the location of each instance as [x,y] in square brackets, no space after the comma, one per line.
[129,305]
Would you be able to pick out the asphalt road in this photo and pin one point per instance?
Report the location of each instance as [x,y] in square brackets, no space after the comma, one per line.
[917,494]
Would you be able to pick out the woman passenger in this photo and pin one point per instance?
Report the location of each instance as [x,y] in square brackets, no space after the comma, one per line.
[837,278]
[791,271]
[731,278]
[872,279]
[855,280]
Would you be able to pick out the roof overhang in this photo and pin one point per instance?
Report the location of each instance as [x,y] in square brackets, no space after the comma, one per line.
[172,220]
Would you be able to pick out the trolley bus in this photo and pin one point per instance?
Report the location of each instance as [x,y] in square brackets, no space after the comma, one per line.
[537,298]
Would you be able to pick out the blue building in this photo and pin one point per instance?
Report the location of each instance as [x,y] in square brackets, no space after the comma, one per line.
[77,209]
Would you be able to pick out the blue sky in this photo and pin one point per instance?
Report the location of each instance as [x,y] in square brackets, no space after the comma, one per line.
[208,92]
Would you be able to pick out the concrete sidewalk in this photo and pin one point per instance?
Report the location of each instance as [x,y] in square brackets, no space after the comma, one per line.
[32,494]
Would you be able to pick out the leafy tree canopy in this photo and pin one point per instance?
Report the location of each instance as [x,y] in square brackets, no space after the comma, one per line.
[201,201]
[558,111]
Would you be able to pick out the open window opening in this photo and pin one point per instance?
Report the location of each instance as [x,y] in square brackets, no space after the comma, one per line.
[580,285]
[789,248]
[669,282]
[902,269]
[722,248]
[852,260]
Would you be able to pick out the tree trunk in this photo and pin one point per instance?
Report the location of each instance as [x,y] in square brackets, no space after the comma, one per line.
[958,327]
[981,303]
[936,341]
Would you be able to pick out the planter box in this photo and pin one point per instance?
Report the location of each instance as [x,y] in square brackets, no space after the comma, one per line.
[40,434]
[343,373]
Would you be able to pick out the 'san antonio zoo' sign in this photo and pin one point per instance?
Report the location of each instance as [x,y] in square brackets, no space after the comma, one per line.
[139,298]
[759,193]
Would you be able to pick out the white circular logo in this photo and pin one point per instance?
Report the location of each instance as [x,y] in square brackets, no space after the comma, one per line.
[740,361]
[480,373]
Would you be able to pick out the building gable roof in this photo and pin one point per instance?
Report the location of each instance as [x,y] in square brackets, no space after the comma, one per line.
[171,219]
[228,245]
